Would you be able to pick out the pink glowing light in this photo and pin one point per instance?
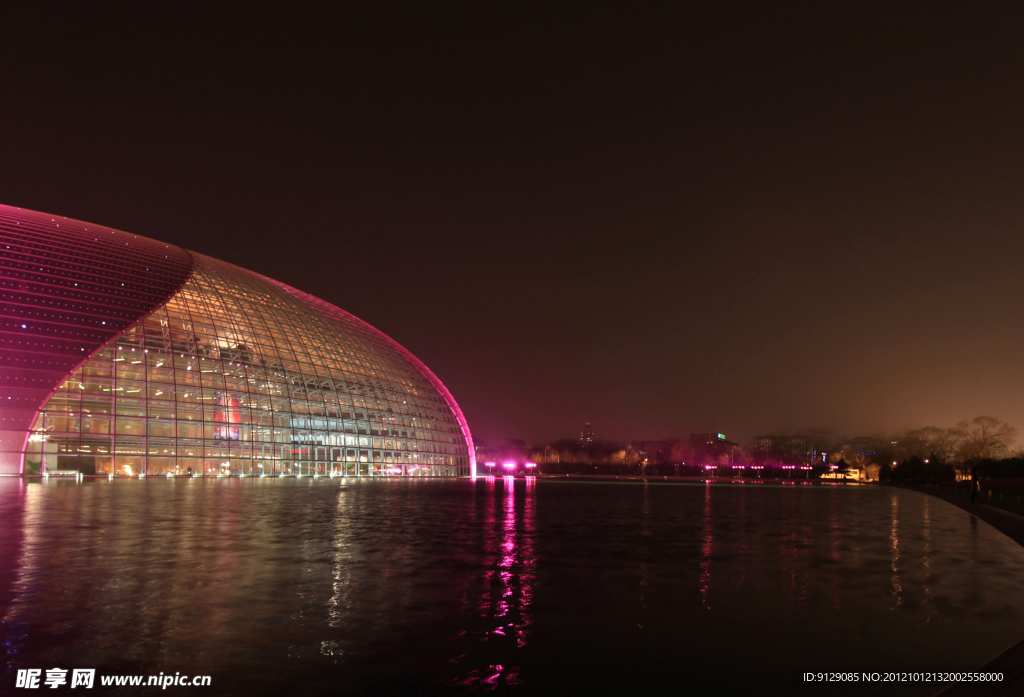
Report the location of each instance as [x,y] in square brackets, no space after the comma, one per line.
[74,253]
[489,464]
[157,273]
[509,465]
[531,464]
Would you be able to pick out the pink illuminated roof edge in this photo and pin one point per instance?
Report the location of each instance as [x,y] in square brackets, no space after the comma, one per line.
[420,365]
[301,295]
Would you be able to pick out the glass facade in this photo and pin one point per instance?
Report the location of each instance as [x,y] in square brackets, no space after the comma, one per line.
[67,288]
[239,375]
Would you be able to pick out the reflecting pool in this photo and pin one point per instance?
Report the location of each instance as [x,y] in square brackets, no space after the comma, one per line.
[355,586]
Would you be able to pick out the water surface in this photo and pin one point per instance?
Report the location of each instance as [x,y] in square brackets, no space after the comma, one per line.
[542,587]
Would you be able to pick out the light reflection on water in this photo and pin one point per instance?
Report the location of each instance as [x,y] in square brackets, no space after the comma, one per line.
[311,587]
[506,588]
[708,536]
[894,537]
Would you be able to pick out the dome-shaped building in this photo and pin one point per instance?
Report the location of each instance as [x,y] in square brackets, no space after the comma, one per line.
[120,355]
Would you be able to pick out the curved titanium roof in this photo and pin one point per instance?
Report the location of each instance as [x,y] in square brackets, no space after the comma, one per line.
[66,289]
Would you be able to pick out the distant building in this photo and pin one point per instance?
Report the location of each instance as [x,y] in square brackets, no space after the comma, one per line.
[707,448]
[864,445]
[653,450]
[782,448]
[863,456]
[586,435]
[710,438]
[239,374]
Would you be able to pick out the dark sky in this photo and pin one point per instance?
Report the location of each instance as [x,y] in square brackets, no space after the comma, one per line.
[720,216]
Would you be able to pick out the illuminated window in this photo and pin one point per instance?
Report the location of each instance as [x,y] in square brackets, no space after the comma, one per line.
[237,374]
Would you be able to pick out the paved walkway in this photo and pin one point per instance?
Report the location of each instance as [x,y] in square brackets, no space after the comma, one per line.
[1011,662]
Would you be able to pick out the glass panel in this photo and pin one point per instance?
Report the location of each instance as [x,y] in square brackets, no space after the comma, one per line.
[239,375]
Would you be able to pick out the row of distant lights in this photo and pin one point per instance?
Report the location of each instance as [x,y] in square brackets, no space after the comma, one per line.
[759,467]
[510,465]
[173,475]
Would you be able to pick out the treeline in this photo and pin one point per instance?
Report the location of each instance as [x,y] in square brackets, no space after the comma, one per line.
[662,469]
[983,445]
[917,471]
[619,469]
[570,450]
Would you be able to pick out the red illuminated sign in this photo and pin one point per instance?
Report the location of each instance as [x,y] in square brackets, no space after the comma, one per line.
[228,412]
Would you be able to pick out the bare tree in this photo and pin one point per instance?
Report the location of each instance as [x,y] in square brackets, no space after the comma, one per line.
[914,442]
[684,451]
[985,436]
[945,443]
[931,442]
[626,456]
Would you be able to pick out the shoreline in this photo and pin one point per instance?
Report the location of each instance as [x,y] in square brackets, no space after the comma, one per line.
[1011,661]
[661,479]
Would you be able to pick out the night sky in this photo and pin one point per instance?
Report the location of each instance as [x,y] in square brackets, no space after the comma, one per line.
[744,218]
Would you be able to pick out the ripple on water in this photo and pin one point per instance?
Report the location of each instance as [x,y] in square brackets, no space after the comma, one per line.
[275,586]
